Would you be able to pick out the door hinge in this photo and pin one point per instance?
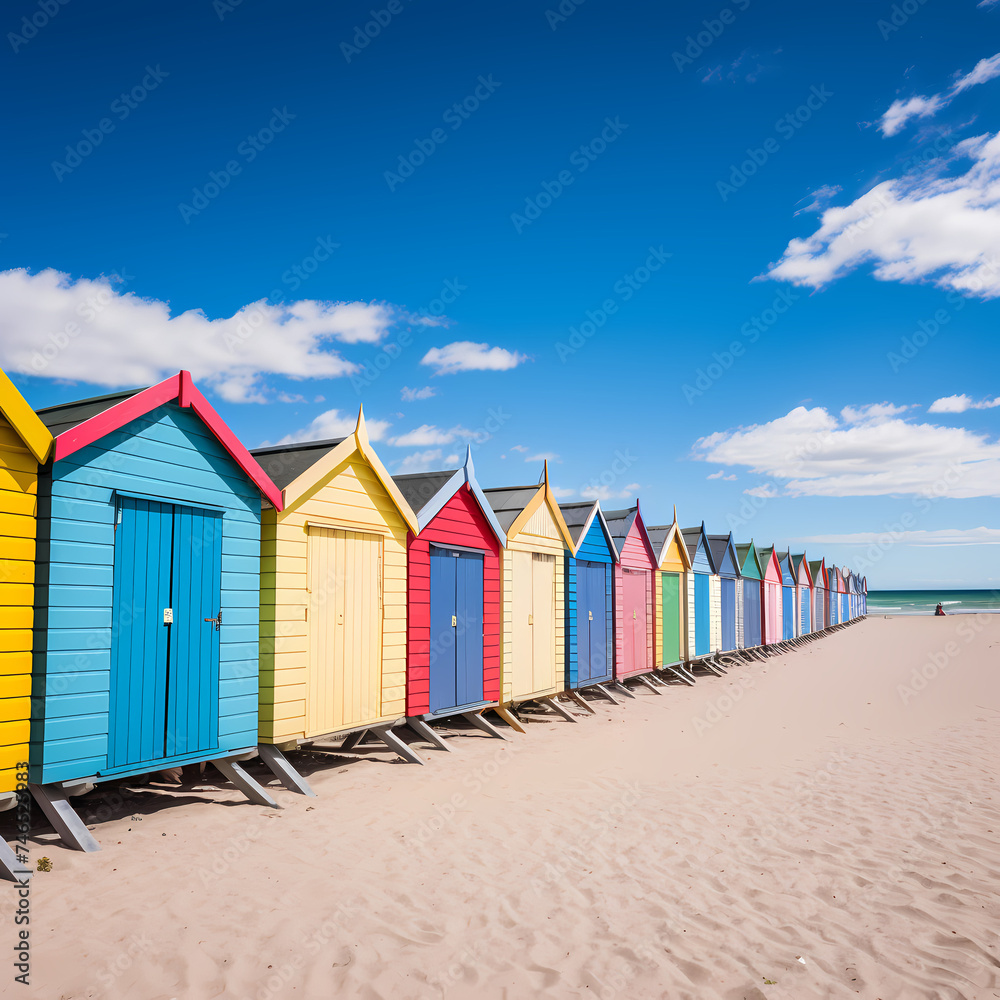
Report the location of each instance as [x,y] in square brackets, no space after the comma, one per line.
[168,616]
[216,621]
[454,621]
[590,616]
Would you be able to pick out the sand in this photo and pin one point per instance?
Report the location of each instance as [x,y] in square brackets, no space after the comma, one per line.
[826,824]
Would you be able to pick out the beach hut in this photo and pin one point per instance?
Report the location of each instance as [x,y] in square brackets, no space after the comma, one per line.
[699,593]
[725,563]
[803,593]
[820,609]
[333,597]
[534,595]
[845,594]
[771,577]
[146,631]
[634,611]
[670,595]
[751,576]
[590,609]
[833,595]
[856,595]
[24,443]
[453,600]
[788,609]
[864,595]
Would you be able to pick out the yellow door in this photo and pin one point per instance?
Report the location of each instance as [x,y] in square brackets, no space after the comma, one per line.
[522,655]
[345,630]
[543,638]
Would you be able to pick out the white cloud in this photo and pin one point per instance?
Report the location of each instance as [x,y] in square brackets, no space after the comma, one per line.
[409,395]
[420,461]
[816,453]
[336,424]
[289,397]
[766,492]
[466,356]
[453,460]
[940,537]
[945,230]
[821,197]
[602,492]
[721,474]
[543,456]
[519,447]
[900,111]
[871,413]
[562,493]
[429,434]
[90,330]
[961,403]
[987,3]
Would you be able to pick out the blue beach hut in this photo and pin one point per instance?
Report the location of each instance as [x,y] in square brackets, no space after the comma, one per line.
[788,616]
[725,563]
[699,592]
[146,631]
[590,609]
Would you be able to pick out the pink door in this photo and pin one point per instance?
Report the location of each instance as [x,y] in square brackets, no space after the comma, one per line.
[634,647]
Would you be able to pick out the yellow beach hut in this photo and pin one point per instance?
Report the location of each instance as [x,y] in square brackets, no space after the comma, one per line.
[534,596]
[670,598]
[24,444]
[333,600]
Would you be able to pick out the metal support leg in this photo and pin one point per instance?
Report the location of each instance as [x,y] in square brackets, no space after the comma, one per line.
[652,687]
[63,817]
[420,727]
[256,793]
[680,675]
[10,867]
[285,773]
[712,667]
[509,718]
[484,725]
[607,694]
[353,739]
[393,742]
[581,701]
[621,687]
[559,710]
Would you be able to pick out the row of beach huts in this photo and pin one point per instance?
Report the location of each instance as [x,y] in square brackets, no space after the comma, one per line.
[168,597]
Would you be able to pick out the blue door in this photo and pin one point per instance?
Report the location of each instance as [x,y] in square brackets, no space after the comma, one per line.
[591,622]
[787,612]
[702,623]
[751,613]
[728,613]
[804,621]
[456,656]
[164,657]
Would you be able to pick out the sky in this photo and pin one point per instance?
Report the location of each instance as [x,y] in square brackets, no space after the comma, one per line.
[743,259]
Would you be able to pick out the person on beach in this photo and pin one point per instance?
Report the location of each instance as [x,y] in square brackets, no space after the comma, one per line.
[939,611]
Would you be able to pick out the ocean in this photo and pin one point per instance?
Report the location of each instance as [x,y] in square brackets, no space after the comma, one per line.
[923,602]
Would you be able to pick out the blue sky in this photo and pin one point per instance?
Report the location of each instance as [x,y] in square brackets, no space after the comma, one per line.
[541,228]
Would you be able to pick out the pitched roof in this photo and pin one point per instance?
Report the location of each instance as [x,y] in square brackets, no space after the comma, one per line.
[286,462]
[420,488]
[23,419]
[717,545]
[509,501]
[580,516]
[620,523]
[77,425]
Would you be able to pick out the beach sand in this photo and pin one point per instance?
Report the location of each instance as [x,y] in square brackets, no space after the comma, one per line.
[826,824]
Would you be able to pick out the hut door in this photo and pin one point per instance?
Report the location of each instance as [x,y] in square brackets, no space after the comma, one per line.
[728,613]
[751,613]
[456,655]
[702,623]
[591,621]
[804,595]
[787,612]
[344,679]
[671,617]
[634,639]
[164,655]
[543,629]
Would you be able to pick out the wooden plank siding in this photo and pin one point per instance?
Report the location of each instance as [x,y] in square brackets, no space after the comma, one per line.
[636,554]
[593,547]
[351,497]
[460,522]
[673,559]
[170,455]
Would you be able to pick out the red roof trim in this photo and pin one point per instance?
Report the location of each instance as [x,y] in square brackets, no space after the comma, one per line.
[178,387]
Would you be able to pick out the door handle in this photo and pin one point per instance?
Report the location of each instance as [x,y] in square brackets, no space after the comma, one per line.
[454,621]
[531,619]
[215,621]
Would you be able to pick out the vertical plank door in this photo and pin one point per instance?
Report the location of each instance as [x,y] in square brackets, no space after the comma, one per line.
[728,613]
[671,617]
[469,641]
[634,651]
[522,643]
[543,638]
[702,622]
[444,632]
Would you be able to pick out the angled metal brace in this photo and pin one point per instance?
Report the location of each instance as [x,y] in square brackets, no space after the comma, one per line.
[680,675]
[559,710]
[283,770]
[621,687]
[607,694]
[353,739]
[393,742]
[483,725]
[509,718]
[652,687]
[421,728]
[64,818]
[256,793]
[10,867]
[581,701]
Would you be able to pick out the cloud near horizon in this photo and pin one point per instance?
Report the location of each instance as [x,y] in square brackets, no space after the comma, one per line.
[467,356]
[863,451]
[94,331]
[960,403]
[939,538]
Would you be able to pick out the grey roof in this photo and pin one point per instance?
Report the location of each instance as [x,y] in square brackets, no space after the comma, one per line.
[508,502]
[284,463]
[576,516]
[66,416]
[619,522]
[419,488]
[657,535]
[691,536]
[717,545]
